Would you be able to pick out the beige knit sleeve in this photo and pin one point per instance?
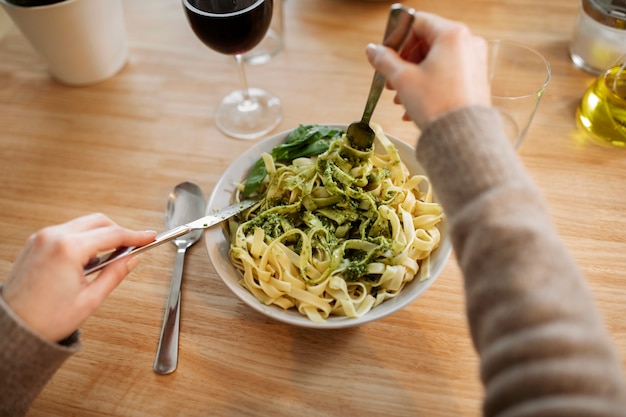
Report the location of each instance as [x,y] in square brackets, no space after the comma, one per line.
[27,362]
[542,344]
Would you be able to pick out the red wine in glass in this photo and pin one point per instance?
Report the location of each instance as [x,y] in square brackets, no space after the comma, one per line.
[233,27]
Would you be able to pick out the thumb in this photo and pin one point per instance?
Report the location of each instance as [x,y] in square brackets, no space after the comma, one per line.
[108,279]
[384,60]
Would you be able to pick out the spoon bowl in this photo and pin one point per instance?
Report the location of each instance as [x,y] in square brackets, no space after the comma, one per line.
[185,203]
[361,135]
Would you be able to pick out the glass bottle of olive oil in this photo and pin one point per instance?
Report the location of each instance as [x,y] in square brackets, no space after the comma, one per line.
[602,110]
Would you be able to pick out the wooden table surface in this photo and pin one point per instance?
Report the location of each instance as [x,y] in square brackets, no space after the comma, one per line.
[119,147]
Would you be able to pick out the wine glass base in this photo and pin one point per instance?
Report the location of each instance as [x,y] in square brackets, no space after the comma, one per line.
[251,118]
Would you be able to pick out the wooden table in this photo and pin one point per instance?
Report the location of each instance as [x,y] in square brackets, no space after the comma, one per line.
[119,147]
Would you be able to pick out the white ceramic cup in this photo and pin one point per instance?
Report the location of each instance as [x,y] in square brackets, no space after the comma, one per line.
[82,41]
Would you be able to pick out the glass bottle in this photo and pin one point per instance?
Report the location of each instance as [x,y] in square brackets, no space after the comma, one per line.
[599,35]
[602,110]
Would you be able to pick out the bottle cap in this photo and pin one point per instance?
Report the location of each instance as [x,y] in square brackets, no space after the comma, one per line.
[608,12]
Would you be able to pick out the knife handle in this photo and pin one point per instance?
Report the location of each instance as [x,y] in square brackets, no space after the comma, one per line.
[100,261]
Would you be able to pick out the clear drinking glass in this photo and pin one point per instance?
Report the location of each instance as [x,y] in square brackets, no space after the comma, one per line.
[234,27]
[518,77]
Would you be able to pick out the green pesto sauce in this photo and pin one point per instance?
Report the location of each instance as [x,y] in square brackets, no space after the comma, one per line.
[354,271]
[273,225]
[356,214]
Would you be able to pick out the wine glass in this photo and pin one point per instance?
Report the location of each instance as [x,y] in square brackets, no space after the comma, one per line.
[273,41]
[234,27]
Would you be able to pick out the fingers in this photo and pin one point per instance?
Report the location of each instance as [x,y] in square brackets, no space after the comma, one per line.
[415,51]
[47,288]
[109,278]
[51,235]
[79,224]
[386,61]
[441,67]
[85,237]
[428,27]
[105,238]
[427,30]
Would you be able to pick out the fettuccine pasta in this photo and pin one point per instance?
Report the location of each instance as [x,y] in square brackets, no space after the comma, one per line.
[338,233]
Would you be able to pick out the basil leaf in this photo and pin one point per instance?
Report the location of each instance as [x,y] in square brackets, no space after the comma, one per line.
[255,178]
[305,140]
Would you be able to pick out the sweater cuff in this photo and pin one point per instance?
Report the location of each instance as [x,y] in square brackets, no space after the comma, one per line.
[72,342]
[27,361]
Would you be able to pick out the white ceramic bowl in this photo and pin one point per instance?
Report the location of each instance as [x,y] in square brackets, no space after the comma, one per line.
[217,243]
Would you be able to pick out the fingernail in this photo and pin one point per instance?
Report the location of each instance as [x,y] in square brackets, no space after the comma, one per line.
[132,262]
[371,51]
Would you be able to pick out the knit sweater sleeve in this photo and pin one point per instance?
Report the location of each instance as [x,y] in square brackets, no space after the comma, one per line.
[542,344]
[27,362]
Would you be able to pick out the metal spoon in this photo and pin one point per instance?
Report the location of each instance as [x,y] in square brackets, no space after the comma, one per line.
[185,203]
[360,134]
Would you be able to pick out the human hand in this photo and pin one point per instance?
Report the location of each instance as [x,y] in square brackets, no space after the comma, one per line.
[47,288]
[441,67]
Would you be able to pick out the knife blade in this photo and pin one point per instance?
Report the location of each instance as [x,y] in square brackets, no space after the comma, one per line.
[100,261]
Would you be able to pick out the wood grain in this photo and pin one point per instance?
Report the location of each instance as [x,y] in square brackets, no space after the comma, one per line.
[120,146]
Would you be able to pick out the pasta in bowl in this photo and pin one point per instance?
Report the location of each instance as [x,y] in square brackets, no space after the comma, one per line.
[337,239]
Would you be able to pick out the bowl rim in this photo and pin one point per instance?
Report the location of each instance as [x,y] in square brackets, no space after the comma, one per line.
[217,244]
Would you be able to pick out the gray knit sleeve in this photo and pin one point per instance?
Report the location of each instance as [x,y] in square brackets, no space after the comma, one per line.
[27,362]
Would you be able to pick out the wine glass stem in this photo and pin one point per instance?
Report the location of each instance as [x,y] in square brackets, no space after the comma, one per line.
[245,91]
